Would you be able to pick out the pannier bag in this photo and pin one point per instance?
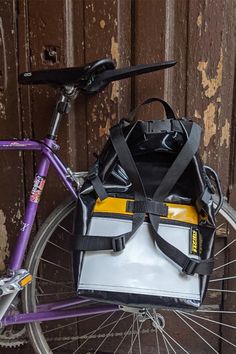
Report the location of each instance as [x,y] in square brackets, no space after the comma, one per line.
[145,220]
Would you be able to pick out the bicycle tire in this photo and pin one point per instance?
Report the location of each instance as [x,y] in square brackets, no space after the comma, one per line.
[165,343]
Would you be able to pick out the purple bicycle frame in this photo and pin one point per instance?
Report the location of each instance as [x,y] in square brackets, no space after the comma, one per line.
[59,309]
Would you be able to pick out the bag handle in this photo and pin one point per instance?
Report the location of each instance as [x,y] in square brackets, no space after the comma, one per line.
[169,112]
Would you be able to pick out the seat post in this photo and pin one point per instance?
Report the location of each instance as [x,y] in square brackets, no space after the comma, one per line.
[63,106]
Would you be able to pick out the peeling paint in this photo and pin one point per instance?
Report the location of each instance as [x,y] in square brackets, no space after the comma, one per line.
[105,130]
[199,23]
[209,123]
[115,56]
[113,117]
[102,24]
[197,114]
[4,246]
[94,115]
[225,134]
[211,85]
[114,50]
[115,91]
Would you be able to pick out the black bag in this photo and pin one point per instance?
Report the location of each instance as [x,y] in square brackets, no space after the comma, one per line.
[145,221]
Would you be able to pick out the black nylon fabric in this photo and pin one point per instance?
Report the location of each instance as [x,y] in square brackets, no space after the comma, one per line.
[154,147]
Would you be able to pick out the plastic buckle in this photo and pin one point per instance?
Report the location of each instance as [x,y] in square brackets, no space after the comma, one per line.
[118,243]
[190,266]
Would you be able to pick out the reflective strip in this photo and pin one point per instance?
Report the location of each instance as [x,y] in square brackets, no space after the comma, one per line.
[178,212]
[23,282]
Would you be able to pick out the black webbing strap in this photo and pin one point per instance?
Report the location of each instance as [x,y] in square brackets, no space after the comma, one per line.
[147,206]
[96,182]
[117,243]
[189,265]
[169,112]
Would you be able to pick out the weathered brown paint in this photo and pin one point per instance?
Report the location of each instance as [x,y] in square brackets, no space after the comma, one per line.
[209,81]
[11,167]
[57,33]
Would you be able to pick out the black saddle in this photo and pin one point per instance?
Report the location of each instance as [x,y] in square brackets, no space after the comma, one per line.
[90,78]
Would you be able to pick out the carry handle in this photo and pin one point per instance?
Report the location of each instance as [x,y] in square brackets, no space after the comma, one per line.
[169,112]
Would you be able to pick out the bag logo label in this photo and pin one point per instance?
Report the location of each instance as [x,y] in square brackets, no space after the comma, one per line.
[194,242]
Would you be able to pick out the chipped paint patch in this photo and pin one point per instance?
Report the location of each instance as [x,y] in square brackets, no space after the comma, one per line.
[209,123]
[105,130]
[211,85]
[4,246]
[102,24]
[115,50]
[197,114]
[225,134]
[115,91]
[199,23]
[115,56]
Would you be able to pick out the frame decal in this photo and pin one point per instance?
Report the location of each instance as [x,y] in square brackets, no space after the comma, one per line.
[37,189]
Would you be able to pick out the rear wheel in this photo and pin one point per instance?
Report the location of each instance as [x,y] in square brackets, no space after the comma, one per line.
[211,329]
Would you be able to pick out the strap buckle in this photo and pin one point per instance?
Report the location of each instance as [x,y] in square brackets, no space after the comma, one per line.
[190,266]
[118,243]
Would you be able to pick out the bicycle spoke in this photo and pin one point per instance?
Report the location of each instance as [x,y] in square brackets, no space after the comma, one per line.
[165,342]
[157,340]
[217,311]
[126,334]
[132,334]
[208,319]
[64,344]
[168,342]
[59,247]
[203,339]
[207,329]
[53,294]
[225,247]
[64,229]
[134,339]
[169,336]
[102,326]
[56,265]
[225,264]
[72,323]
[53,282]
[139,340]
[107,335]
[222,290]
[220,279]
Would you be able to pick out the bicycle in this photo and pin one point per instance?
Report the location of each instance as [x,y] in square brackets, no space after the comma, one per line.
[49,304]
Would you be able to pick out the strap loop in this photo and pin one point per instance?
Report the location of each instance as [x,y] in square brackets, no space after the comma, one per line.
[96,182]
[169,112]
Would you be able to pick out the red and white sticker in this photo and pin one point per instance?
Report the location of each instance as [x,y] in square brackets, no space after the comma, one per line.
[37,189]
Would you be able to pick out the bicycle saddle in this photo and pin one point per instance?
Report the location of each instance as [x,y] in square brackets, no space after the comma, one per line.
[91,78]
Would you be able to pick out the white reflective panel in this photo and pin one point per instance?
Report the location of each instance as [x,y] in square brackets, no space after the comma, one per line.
[141,268]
